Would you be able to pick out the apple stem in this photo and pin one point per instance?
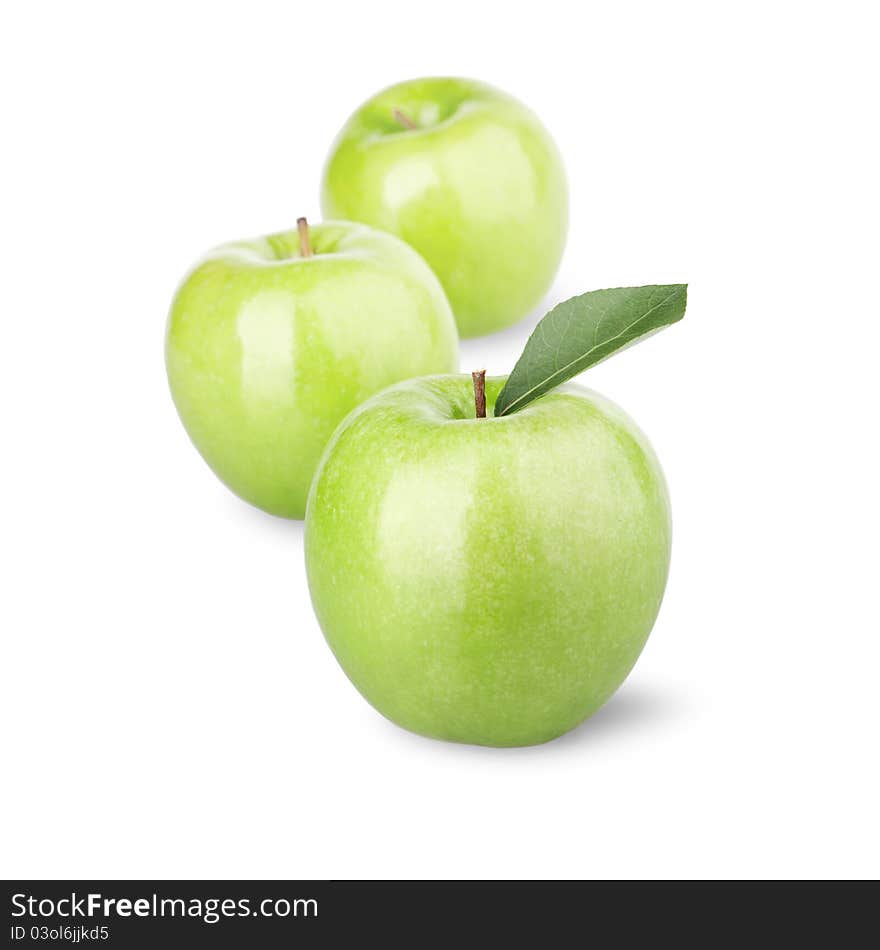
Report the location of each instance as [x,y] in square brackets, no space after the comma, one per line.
[400,116]
[479,378]
[305,249]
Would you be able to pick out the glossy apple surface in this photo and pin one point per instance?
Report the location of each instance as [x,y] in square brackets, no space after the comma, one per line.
[477,187]
[267,350]
[489,581]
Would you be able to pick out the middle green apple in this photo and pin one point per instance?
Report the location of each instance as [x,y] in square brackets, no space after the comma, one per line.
[271,342]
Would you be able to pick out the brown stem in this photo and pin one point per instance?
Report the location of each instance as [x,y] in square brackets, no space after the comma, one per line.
[479,378]
[305,249]
[400,116]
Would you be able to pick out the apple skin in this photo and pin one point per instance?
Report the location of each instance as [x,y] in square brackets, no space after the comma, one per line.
[267,351]
[489,581]
[478,188]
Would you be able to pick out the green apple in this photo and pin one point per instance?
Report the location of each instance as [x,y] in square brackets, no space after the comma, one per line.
[470,178]
[487,580]
[271,342]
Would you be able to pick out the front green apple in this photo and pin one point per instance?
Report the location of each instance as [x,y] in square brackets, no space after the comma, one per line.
[271,342]
[470,178]
[487,580]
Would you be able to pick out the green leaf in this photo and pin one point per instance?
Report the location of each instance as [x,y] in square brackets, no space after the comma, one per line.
[585,330]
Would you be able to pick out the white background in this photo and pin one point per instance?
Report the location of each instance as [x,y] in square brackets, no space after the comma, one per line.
[169,706]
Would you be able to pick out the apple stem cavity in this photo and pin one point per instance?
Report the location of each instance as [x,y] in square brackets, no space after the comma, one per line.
[400,116]
[305,249]
[479,378]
